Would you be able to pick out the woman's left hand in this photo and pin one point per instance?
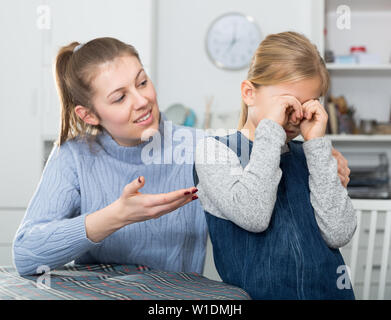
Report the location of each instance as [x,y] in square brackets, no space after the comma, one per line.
[343,169]
[313,125]
[314,122]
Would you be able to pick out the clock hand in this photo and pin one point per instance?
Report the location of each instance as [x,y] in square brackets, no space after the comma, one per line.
[233,41]
[235,31]
[231,45]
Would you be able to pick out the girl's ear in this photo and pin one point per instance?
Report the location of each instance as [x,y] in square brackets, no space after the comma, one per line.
[248,92]
[86,115]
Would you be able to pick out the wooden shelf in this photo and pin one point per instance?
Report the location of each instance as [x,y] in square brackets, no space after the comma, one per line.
[355,137]
[367,67]
[360,137]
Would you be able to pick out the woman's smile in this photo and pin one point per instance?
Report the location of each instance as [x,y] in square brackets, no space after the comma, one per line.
[145,119]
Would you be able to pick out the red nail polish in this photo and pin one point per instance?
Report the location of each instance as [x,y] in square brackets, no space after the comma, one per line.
[195,190]
[194,197]
[187,192]
[139,179]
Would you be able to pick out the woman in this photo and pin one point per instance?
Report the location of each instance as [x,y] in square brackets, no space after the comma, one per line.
[84,208]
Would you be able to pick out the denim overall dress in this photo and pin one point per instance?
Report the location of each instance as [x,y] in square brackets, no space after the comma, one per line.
[290,259]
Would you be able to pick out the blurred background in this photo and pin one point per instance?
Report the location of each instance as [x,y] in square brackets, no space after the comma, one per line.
[178,42]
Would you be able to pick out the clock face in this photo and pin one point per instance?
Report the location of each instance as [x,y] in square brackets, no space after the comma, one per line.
[232,40]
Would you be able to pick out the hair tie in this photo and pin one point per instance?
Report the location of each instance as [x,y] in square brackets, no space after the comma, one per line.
[77,47]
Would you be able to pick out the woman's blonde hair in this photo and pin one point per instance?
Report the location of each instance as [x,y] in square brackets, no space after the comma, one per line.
[75,69]
[285,57]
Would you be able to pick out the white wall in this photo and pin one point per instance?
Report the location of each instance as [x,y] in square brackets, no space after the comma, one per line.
[184,72]
[29,105]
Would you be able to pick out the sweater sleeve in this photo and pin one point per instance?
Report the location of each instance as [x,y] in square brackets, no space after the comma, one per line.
[333,208]
[244,196]
[52,232]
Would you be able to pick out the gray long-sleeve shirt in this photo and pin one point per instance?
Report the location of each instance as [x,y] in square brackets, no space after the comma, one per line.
[246,196]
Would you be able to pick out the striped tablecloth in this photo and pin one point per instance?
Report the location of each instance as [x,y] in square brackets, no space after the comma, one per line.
[113,282]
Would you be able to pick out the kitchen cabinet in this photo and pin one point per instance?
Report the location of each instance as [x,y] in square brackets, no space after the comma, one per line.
[20,129]
[32,32]
[364,85]
[366,88]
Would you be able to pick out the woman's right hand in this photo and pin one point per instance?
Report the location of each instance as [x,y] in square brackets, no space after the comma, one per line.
[135,206]
[280,108]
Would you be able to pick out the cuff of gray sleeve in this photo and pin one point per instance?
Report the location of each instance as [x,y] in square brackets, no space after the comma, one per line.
[272,130]
[317,149]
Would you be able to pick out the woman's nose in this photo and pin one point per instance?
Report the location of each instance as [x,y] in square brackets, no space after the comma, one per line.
[139,101]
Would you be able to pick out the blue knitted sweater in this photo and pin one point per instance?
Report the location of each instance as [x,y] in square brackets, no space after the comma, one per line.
[77,181]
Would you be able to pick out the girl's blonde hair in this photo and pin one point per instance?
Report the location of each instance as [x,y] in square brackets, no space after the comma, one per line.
[285,57]
[74,72]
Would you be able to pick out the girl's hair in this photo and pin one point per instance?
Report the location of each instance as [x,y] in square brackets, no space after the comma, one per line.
[75,69]
[285,57]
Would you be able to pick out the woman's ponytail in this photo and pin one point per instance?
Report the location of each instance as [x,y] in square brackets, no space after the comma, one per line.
[66,101]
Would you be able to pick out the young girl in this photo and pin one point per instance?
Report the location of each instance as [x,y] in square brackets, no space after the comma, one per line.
[276,209]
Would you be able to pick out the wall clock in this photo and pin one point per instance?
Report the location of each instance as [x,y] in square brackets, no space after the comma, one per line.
[231,41]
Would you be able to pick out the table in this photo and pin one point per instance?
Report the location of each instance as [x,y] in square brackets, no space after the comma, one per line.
[113,282]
